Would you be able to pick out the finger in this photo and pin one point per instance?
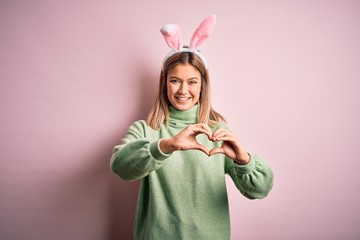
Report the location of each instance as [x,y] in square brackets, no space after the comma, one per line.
[197,130]
[216,151]
[222,135]
[206,128]
[219,132]
[227,139]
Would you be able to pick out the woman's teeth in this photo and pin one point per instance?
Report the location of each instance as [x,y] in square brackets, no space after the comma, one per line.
[183,98]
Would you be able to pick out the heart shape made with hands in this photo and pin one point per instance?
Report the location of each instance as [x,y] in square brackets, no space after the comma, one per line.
[187,139]
[203,148]
[219,135]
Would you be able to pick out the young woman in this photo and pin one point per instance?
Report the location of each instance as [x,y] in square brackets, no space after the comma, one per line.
[181,154]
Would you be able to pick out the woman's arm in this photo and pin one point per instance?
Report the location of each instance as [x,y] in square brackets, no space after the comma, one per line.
[252,176]
[254,179]
[136,156]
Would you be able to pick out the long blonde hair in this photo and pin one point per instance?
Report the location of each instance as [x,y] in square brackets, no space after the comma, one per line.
[160,110]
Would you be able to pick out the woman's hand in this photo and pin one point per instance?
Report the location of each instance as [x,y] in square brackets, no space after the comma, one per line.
[231,146]
[186,139]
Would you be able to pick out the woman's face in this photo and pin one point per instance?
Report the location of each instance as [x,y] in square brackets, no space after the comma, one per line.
[183,86]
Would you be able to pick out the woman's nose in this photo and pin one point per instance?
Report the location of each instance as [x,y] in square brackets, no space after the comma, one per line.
[183,88]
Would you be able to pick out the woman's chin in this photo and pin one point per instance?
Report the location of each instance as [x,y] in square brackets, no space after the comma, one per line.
[183,107]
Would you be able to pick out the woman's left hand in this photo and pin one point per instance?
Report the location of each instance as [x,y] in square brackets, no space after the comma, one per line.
[231,146]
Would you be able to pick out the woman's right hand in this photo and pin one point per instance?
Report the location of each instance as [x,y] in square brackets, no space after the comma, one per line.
[186,139]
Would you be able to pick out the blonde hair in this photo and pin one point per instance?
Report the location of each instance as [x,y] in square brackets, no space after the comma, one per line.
[160,110]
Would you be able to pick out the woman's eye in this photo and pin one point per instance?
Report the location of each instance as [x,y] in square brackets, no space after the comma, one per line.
[193,82]
[174,81]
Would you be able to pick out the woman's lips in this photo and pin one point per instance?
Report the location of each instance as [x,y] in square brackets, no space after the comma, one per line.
[182,98]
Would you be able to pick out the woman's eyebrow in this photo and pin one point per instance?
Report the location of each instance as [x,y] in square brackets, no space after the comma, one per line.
[192,78]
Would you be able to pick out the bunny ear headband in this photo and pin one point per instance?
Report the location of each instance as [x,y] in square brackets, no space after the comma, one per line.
[173,38]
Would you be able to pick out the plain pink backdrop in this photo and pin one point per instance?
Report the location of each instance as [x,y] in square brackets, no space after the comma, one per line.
[75,74]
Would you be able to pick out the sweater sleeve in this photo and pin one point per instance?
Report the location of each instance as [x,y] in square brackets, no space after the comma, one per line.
[136,156]
[254,180]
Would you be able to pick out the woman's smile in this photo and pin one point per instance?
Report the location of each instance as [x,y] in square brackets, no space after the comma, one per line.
[182,99]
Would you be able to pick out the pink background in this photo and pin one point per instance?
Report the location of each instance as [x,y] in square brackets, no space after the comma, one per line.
[75,74]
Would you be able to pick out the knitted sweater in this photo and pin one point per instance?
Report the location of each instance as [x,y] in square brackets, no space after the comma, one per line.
[183,195]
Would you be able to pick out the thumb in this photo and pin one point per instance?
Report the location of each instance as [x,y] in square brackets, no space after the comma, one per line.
[216,151]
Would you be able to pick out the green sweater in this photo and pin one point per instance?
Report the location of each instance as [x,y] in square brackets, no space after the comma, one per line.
[183,195]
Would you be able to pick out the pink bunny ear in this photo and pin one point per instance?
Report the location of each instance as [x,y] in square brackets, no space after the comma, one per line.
[172,36]
[203,31]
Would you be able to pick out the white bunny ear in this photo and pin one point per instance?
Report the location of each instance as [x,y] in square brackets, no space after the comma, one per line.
[203,31]
[172,36]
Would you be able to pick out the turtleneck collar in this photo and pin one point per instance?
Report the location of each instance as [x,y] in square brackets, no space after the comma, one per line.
[186,117]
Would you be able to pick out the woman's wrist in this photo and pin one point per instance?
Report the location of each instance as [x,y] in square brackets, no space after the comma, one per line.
[245,159]
[166,145]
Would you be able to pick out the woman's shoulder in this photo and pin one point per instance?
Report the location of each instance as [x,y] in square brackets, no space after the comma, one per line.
[138,126]
[140,122]
[141,126]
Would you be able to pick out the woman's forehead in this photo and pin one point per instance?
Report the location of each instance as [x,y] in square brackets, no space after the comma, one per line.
[184,71]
